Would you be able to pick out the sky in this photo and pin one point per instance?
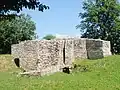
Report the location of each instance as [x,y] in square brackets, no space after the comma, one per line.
[60,19]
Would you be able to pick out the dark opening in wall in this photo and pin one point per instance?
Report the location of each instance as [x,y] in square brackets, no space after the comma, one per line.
[17,62]
[66,70]
[64,53]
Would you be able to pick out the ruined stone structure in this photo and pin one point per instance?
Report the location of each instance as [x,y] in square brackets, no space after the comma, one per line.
[49,56]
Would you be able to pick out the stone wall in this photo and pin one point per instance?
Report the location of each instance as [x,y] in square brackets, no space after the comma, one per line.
[80,48]
[49,56]
[106,48]
[39,55]
[69,55]
[94,48]
[27,54]
[97,48]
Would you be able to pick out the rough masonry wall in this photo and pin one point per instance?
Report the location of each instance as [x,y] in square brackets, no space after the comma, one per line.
[44,55]
[49,56]
[94,48]
[106,48]
[15,50]
[28,61]
[27,53]
[97,49]
[80,48]
[69,52]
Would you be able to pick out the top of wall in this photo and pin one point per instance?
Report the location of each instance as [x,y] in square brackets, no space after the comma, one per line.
[63,38]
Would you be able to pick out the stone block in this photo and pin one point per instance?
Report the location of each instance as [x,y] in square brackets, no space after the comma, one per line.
[80,48]
[106,48]
[95,54]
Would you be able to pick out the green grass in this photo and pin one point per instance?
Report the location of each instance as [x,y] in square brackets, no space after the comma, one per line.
[101,74]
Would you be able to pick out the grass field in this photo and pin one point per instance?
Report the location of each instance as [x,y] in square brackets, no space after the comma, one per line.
[101,74]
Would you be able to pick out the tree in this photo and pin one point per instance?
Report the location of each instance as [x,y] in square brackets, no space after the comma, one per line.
[13,31]
[101,20]
[49,37]
[17,5]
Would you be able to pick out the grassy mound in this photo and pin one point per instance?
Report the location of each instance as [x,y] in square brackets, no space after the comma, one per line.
[101,74]
[6,63]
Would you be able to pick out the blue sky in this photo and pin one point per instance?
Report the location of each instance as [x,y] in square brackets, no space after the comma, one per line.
[61,18]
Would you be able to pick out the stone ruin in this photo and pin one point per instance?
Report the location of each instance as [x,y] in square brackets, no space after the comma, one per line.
[41,57]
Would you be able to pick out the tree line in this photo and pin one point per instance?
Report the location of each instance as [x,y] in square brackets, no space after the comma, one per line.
[13,27]
[100,20]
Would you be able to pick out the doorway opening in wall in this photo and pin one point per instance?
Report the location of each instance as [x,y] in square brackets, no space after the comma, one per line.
[17,62]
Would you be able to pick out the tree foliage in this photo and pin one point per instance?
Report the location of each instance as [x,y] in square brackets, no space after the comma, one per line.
[49,37]
[17,5]
[13,31]
[101,20]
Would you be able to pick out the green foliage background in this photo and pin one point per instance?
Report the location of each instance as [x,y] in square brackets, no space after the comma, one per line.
[101,19]
[15,30]
[49,37]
